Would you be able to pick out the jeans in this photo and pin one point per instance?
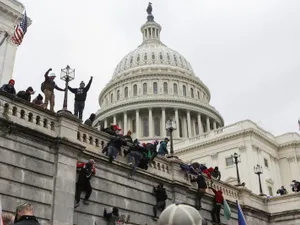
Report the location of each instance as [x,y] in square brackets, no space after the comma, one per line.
[78,108]
[159,205]
[199,196]
[83,187]
[112,152]
[215,213]
[49,96]
[137,159]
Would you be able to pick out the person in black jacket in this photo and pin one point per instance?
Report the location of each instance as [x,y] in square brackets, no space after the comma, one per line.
[161,197]
[201,190]
[112,217]
[24,215]
[26,95]
[9,88]
[90,120]
[115,145]
[80,97]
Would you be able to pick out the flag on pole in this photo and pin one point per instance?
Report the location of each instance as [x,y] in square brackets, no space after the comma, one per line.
[20,30]
[241,217]
[227,211]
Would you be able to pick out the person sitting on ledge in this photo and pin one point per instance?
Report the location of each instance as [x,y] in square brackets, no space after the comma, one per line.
[24,215]
[163,150]
[90,120]
[9,88]
[26,95]
[113,217]
[282,191]
[83,183]
[38,100]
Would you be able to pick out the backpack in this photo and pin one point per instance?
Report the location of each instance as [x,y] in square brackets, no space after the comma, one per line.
[43,86]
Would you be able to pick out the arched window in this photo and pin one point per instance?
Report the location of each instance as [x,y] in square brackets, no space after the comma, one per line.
[184,90]
[155,91]
[138,58]
[145,126]
[153,55]
[175,89]
[198,95]
[192,93]
[133,124]
[160,56]
[180,128]
[135,90]
[145,56]
[156,126]
[165,88]
[145,88]
[126,92]
[111,97]
[118,95]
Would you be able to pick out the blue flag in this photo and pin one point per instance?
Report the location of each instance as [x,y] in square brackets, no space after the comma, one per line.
[241,217]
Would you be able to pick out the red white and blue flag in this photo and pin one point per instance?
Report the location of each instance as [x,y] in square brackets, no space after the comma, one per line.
[20,30]
[241,217]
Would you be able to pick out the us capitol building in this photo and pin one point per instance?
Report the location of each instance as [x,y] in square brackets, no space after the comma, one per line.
[154,82]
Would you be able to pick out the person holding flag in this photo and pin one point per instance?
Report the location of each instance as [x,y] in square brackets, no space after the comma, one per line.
[218,202]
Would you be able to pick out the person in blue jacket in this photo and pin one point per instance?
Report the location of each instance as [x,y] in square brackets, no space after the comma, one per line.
[163,150]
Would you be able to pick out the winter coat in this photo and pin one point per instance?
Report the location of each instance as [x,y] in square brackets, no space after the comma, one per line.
[38,100]
[201,182]
[218,196]
[27,220]
[9,89]
[86,171]
[161,194]
[49,84]
[163,148]
[80,93]
[24,95]
[216,174]
[117,142]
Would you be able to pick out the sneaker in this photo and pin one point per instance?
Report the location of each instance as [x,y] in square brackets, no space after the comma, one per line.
[77,205]
[86,202]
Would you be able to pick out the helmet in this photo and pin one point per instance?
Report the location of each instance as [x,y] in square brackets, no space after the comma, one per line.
[52,75]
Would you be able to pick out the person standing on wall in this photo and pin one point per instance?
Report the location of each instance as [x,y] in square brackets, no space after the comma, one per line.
[47,88]
[80,97]
[218,202]
[83,183]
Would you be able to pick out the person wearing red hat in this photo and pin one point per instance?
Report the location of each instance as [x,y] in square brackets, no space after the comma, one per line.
[218,202]
[48,87]
[9,88]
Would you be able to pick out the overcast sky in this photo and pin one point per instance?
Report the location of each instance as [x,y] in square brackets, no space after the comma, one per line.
[247,52]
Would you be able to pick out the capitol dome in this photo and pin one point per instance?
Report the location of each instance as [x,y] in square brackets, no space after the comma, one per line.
[151,84]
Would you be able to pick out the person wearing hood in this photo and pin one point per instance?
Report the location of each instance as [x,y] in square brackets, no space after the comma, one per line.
[80,97]
[24,215]
[113,217]
[90,120]
[163,150]
[47,88]
[200,191]
[38,100]
[218,202]
[115,144]
[9,88]
[26,95]
[215,173]
[161,197]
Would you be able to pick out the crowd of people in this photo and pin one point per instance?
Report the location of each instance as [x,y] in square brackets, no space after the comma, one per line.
[47,87]
[295,188]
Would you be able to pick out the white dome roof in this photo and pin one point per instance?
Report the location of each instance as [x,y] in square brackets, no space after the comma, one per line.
[152,52]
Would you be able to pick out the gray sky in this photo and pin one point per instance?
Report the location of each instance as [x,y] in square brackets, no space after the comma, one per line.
[247,52]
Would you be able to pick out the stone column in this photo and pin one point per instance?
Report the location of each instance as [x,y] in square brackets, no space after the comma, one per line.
[215,125]
[125,123]
[207,124]
[200,127]
[188,116]
[176,133]
[150,123]
[163,121]
[105,123]
[114,119]
[137,123]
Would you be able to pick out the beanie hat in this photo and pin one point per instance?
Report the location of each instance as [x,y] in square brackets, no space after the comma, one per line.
[11,81]
[179,214]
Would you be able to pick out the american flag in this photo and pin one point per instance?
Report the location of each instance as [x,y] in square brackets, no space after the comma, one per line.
[20,30]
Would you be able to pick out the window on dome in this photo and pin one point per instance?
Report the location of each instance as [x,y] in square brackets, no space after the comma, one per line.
[118,95]
[138,58]
[175,89]
[165,88]
[156,126]
[155,91]
[160,56]
[133,128]
[168,57]
[111,97]
[145,88]
[135,90]
[131,60]
[145,56]
[153,55]
[198,95]
[125,63]
[192,93]
[145,126]
[184,90]
[175,59]
[126,92]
